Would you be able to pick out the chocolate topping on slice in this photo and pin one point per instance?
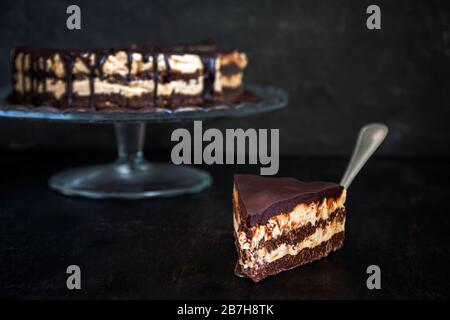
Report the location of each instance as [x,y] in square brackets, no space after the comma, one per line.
[262,198]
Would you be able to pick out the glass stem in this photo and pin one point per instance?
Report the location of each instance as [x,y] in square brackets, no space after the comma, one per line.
[130,142]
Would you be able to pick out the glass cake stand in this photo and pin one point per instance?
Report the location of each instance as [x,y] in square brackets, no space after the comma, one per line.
[131,176]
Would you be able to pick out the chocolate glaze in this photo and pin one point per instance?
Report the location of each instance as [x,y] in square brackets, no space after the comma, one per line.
[262,198]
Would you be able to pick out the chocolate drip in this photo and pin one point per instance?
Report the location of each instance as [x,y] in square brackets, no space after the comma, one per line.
[209,71]
[91,76]
[23,72]
[155,76]
[68,67]
[130,65]
[92,88]
[166,62]
[99,62]
[44,76]
[94,63]
[101,59]
[91,67]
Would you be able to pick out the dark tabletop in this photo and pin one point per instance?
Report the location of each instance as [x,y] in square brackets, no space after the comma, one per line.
[397,218]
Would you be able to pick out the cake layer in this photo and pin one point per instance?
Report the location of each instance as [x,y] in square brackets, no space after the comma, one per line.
[288,262]
[262,198]
[305,237]
[171,76]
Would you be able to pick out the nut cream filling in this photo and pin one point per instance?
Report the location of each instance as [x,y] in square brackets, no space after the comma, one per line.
[238,58]
[283,223]
[185,63]
[182,63]
[131,89]
[263,256]
[55,65]
[117,64]
[56,87]
[18,62]
[189,87]
[231,82]
[18,83]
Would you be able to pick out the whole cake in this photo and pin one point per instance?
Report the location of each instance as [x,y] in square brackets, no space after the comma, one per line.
[134,77]
[281,223]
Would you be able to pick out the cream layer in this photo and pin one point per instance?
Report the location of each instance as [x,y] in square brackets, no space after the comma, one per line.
[118,63]
[228,82]
[132,89]
[263,256]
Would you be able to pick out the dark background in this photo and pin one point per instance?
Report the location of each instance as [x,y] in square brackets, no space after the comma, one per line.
[339,74]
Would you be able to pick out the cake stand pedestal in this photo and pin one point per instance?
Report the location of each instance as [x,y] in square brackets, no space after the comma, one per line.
[131,176]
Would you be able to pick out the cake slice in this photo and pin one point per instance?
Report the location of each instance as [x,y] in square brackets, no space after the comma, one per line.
[282,223]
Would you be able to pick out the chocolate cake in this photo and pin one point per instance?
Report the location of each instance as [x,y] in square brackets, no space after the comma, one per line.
[134,77]
[282,223]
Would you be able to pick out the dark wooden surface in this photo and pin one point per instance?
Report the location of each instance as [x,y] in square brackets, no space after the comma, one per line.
[183,247]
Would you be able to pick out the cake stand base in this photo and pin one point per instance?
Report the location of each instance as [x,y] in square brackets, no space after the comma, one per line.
[131,176]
